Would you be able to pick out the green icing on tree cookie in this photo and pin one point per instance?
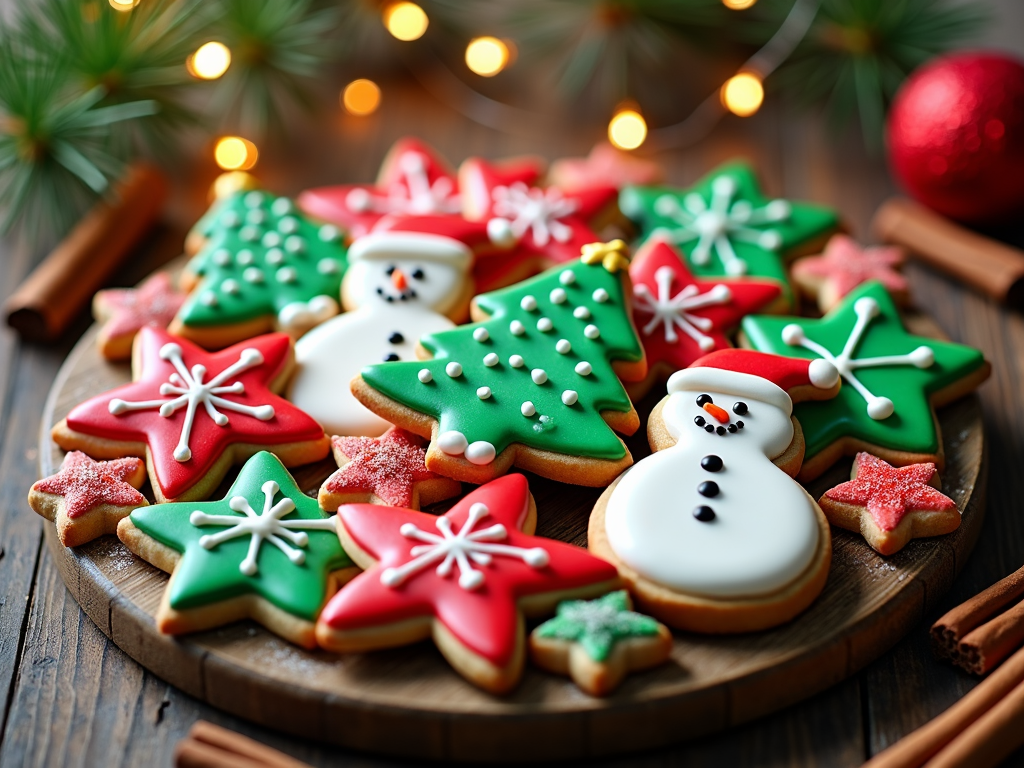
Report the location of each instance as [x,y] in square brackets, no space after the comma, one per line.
[262,256]
[724,224]
[888,374]
[597,625]
[538,372]
[226,554]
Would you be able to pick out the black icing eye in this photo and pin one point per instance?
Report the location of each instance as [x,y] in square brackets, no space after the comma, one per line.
[418,274]
[396,338]
[389,270]
[739,408]
[703,400]
[699,421]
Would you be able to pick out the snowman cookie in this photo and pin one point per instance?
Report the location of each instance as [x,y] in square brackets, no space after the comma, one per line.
[712,533]
[400,286]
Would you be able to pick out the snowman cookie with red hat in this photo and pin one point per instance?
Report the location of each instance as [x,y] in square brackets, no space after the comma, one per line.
[711,532]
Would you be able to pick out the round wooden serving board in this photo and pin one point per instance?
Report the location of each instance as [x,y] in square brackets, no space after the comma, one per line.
[408,702]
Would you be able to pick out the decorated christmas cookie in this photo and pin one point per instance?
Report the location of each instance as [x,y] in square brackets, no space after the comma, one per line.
[265,552]
[682,318]
[192,414]
[725,226]
[536,385]
[121,312]
[711,533]
[533,227]
[598,642]
[86,498]
[465,578]
[263,265]
[889,505]
[605,165]
[892,381]
[400,286]
[389,470]
[844,265]
[413,181]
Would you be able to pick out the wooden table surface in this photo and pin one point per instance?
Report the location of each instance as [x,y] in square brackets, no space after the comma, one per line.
[69,697]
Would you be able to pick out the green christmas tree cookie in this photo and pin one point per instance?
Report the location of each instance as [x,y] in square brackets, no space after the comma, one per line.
[266,551]
[892,381]
[535,385]
[263,265]
[724,225]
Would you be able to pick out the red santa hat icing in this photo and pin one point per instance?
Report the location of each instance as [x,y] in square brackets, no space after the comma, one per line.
[381,246]
[756,375]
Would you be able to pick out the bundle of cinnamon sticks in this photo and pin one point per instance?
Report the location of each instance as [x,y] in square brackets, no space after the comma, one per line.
[210,746]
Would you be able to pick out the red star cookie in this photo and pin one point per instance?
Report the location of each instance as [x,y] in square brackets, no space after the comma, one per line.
[123,311]
[87,498]
[193,413]
[389,470]
[890,505]
[538,227]
[464,578]
[844,265]
[413,181]
[681,318]
[604,165]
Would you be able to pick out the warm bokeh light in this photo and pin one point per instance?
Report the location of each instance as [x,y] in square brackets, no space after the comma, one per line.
[230,182]
[738,5]
[233,153]
[361,97]
[123,5]
[742,94]
[210,61]
[486,56]
[628,129]
[406,21]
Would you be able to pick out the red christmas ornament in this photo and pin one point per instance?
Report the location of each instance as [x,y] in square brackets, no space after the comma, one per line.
[956,136]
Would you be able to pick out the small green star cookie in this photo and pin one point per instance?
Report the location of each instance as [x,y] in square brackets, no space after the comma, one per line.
[892,380]
[266,552]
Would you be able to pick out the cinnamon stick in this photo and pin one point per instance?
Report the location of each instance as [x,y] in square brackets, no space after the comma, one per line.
[992,642]
[992,267]
[195,754]
[948,631]
[57,290]
[208,743]
[990,739]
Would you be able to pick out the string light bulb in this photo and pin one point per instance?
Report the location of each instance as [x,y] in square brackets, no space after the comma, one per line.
[405,20]
[627,129]
[738,5]
[361,97]
[230,182]
[742,94]
[487,56]
[123,5]
[233,153]
[210,61]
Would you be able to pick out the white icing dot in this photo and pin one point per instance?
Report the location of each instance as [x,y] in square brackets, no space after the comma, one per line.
[483,392]
[253,199]
[528,303]
[425,376]
[538,375]
[255,216]
[591,331]
[274,256]
[481,334]
[544,324]
[327,267]
[209,298]
[527,409]
[287,275]
[581,313]
[253,275]
[294,244]
[453,443]
[517,328]
[231,219]
[244,257]
[480,452]
[490,359]
[230,286]
[288,225]
[249,234]
[281,206]
[558,296]
[569,397]
[516,361]
[222,257]
[601,296]
[328,233]
[453,369]
[563,347]
[568,277]
[583,368]
[272,239]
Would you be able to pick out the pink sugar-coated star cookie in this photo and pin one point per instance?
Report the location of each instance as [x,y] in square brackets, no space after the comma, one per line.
[123,311]
[604,165]
[844,265]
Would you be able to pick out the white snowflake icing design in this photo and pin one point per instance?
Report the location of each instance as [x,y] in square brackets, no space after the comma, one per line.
[717,225]
[417,198]
[519,209]
[188,390]
[459,549]
[260,527]
[866,309]
[672,311]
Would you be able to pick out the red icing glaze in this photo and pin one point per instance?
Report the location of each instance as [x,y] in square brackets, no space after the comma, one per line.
[785,372]
[86,484]
[386,466]
[604,165]
[413,181]
[846,265]
[484,619]
[891,492]
[154,303]
[745,297]
[208,440]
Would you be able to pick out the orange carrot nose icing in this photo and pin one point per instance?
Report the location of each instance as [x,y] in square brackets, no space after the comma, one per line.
[720,414]
[399,280]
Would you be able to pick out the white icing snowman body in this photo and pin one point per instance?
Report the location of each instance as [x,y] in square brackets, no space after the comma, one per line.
[401,285]
[713,516]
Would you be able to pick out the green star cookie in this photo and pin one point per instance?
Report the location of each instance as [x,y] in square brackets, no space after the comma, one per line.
[597,625]
[725,226]
[892,380]
[266,538]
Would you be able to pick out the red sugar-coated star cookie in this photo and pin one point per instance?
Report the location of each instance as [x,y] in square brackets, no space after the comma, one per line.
[890,505]
[844,265]
[123,311]
[88,498]
[604,165]
[465,578]
[389,470]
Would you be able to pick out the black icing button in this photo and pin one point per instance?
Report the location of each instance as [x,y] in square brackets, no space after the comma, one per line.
[396,338]
[709,428]
[732,427]
[739,425]
[712,463]
[704,513]
[708,488]
[699,421]
[391,357]
[720,430]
